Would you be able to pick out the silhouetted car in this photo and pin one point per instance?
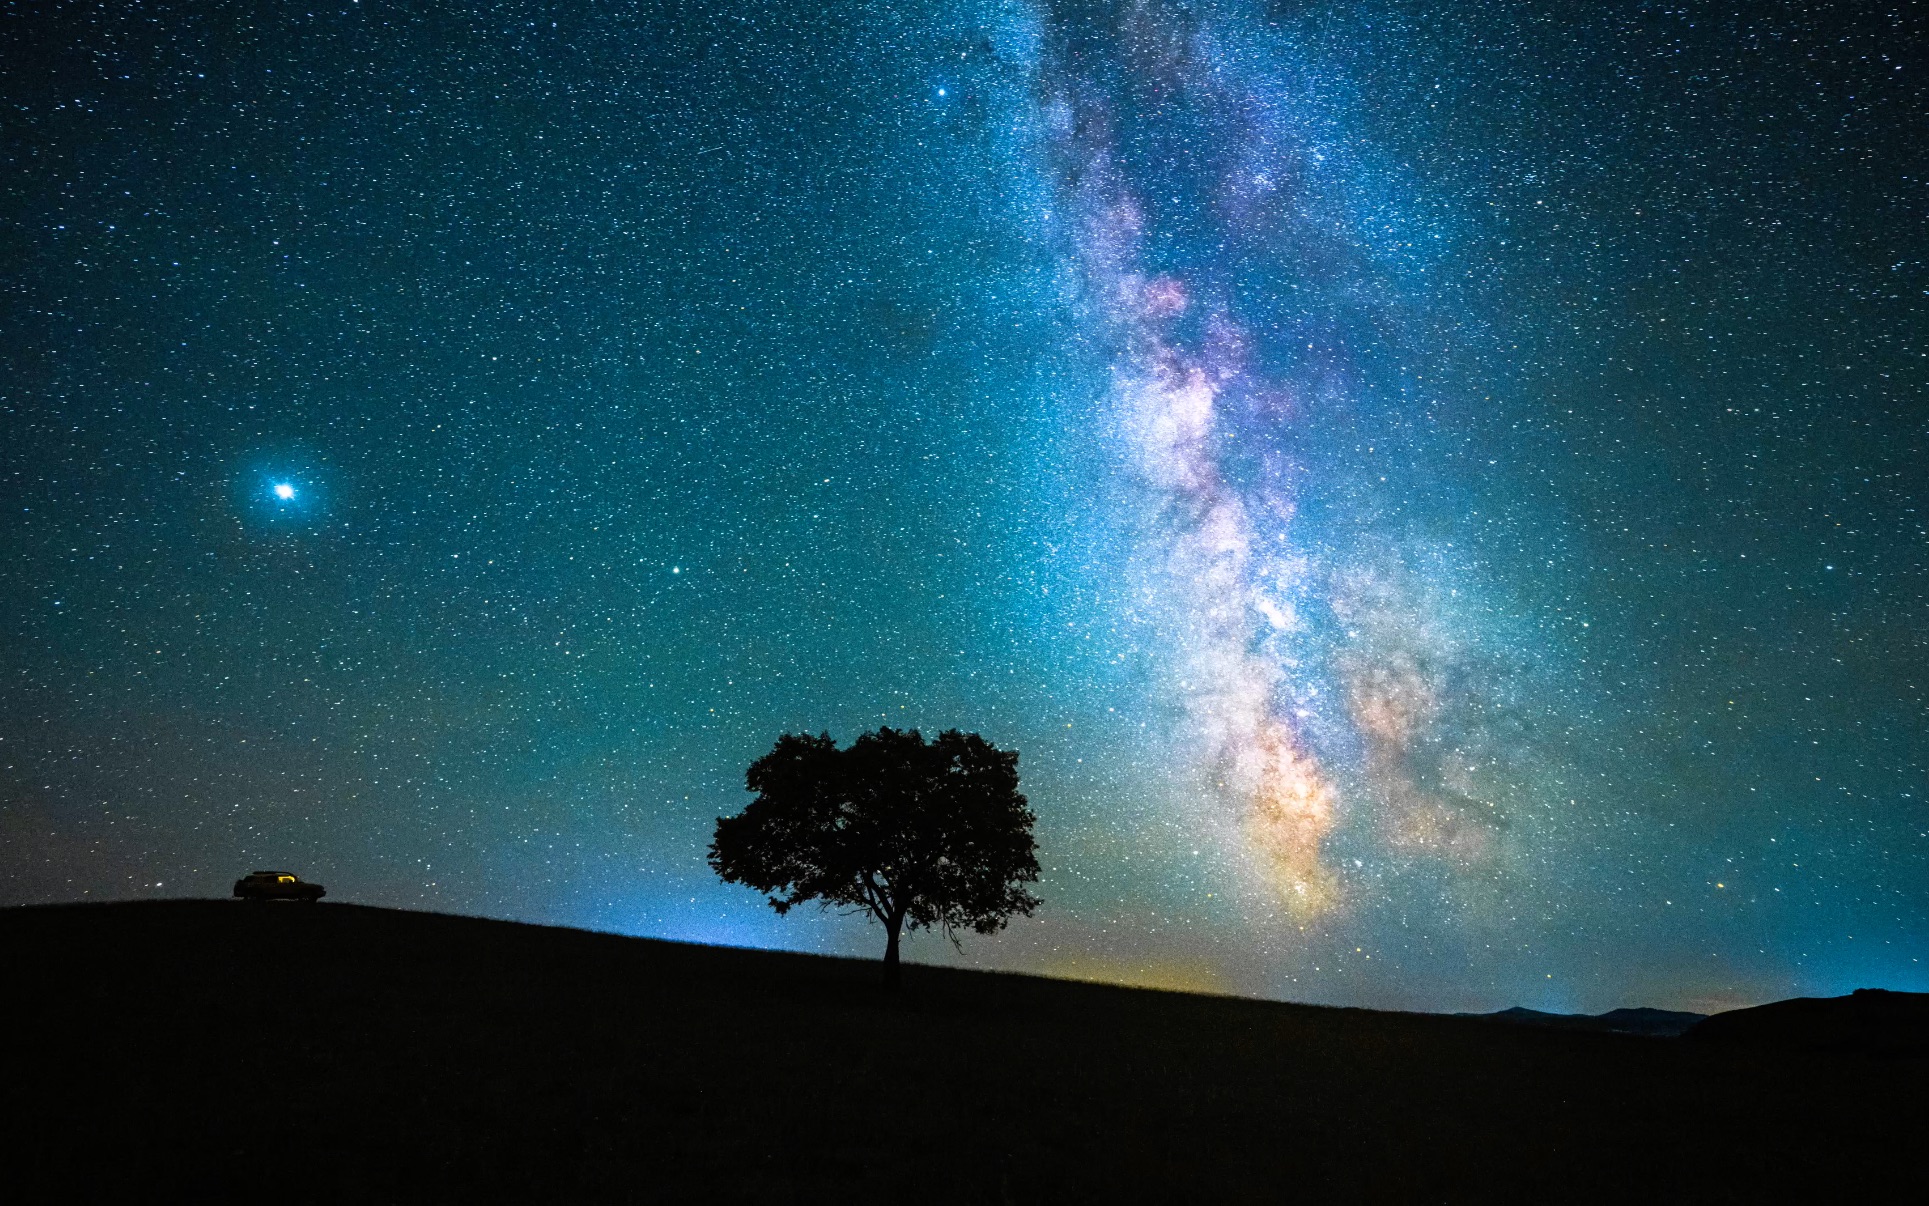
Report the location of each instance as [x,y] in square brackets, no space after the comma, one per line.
[276,885]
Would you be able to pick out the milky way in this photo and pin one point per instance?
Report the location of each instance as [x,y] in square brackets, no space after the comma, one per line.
[1218,239]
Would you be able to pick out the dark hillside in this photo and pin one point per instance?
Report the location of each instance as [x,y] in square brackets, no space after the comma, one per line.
[309,1053]
[1871,1021]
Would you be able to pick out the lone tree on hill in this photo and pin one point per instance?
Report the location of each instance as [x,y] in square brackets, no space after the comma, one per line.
[921,834]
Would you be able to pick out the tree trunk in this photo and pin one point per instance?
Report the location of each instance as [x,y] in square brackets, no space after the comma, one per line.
[892,972]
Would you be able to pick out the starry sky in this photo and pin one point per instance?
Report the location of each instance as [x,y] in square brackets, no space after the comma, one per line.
[1433,492]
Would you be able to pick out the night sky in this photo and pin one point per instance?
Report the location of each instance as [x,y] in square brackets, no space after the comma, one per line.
[1434,493]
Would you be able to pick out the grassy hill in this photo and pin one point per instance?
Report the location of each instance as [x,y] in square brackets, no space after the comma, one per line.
[346,1054]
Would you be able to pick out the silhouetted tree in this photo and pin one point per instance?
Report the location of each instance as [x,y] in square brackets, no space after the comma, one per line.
[918,834]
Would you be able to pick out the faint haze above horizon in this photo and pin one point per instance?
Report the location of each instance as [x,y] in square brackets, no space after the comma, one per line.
[1434,495]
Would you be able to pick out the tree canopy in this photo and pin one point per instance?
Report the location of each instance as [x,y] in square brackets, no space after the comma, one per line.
[918,834]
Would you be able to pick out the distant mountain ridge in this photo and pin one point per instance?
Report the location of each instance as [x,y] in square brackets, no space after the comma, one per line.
[1665,1023]
[1873,1021]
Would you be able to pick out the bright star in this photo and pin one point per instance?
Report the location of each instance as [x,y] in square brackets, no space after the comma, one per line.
[284,491]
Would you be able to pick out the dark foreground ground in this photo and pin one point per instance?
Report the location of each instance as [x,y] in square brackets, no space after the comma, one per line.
[296,1053]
